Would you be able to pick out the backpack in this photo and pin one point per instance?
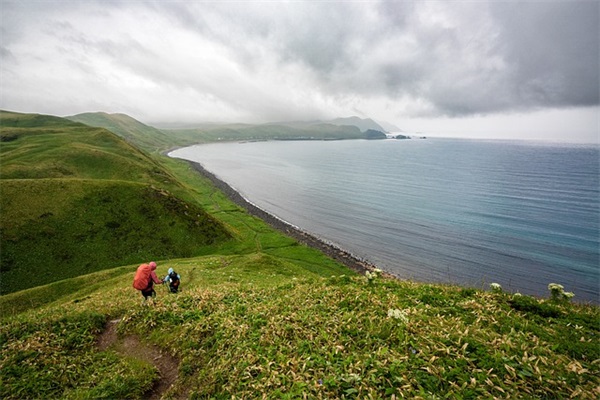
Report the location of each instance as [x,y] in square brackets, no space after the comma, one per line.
[142,277]
[174,279]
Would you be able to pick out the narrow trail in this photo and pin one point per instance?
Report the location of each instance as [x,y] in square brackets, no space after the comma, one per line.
[131,346]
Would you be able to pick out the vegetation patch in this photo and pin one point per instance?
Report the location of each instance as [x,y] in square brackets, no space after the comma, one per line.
[77,199]
[96,225]
[242,332]
[258,315]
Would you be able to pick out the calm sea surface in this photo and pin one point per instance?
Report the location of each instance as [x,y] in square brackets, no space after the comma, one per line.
[436,210]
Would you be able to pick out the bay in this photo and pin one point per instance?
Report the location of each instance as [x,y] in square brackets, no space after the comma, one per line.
[467,212]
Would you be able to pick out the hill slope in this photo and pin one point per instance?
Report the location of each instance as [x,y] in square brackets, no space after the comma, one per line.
[258,326]
[269,132]
[259,316]
[76,199]
[133,131]
[364,124]
[152,139]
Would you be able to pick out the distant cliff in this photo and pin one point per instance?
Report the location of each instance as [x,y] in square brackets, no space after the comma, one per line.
[362,124]
[374,134]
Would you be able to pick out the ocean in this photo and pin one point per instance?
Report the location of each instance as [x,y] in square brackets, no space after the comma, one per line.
[466,212]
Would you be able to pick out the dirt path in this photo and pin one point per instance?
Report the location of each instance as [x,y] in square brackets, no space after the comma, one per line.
[132,347]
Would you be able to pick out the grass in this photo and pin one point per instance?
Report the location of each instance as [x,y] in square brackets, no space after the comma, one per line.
[268,132]
[77,199]
[248,326]
[142,136]
[92,225]
[261,316]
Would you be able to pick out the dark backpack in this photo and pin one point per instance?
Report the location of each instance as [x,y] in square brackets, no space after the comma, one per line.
[174,280]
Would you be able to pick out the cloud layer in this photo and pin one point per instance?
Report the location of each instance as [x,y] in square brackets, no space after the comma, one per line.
[266,61]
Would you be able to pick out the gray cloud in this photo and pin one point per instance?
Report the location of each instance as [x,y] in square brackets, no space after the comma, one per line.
[273,61]
[553,51]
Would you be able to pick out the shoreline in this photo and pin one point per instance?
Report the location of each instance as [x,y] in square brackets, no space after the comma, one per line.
[338,254]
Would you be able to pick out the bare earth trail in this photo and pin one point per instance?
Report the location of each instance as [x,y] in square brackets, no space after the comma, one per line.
[131,346]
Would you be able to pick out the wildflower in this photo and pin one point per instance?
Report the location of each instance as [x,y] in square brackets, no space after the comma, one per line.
[370,276]
[496,288]
[558,293]
[517,294]
[555,287]
[398,314]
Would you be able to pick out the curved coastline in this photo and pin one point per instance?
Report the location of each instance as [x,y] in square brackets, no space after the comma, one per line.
[348,259]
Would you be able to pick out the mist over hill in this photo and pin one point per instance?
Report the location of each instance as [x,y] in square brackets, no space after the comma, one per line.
[364,124]
[150,138]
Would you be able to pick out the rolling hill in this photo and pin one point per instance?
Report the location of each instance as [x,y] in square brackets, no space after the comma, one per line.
[229,132]
[258,316]
[77,199]
[133,131]
[152,139]
[364,124]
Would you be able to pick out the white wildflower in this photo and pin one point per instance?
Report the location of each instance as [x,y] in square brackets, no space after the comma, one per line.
[398,314]
[370,275]
[558,293]
[496,288]
[555,287]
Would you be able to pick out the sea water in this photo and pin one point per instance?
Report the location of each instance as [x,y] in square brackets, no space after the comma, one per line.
[467,212]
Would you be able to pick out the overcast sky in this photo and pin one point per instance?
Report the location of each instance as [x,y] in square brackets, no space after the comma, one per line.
[456,68]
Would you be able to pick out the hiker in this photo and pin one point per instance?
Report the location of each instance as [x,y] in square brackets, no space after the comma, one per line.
[145,278]
[173,279]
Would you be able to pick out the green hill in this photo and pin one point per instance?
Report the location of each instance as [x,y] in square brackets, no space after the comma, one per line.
[151,139]
[364,124]
[261,326]
[36,146]
[76,199]
[269,132]
[133,131]
[259,315]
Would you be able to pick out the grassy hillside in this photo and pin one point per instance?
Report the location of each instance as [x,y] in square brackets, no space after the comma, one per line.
[54,229]
[38,146]
[261,326]
[141,135]
[270,132]
[76,199]
[259,316]
[153,140]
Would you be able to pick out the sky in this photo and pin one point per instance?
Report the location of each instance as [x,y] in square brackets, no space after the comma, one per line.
[483,69]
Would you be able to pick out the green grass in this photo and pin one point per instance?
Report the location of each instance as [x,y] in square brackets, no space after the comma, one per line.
[77,199]
[92,225]
[260,316]
[267,132]
[142,136]
[248,326]
[154,140]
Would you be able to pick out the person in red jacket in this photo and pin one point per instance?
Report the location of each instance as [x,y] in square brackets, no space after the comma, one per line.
[145,278]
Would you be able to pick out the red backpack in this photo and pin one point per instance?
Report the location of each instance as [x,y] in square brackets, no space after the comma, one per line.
[142,277]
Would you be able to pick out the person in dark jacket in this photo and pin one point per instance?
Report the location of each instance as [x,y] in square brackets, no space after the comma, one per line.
[173,279]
